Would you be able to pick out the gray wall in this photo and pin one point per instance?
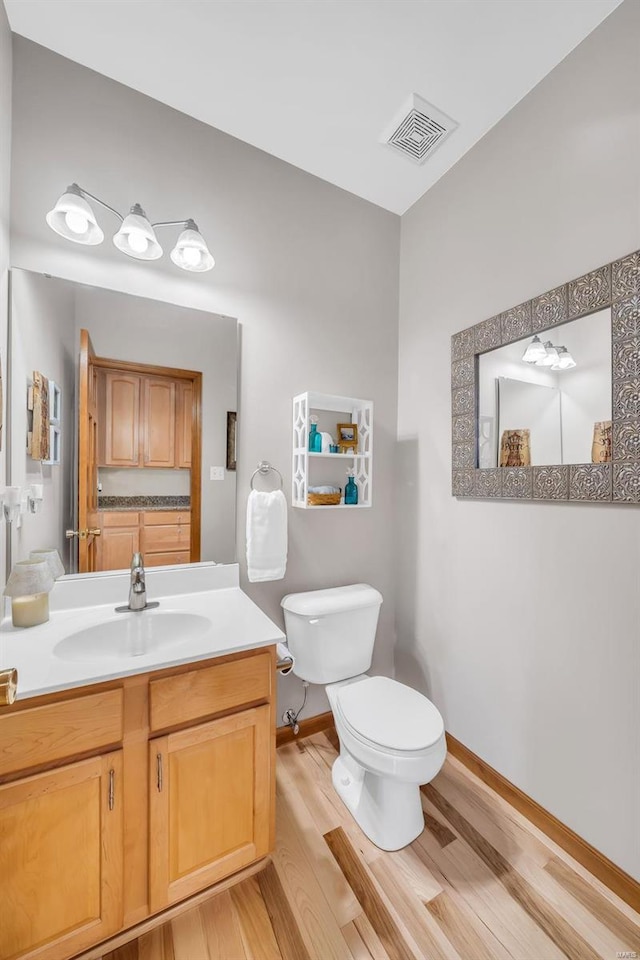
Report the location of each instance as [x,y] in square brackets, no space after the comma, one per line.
[43,338]
[5,203]
[522,620]
[310,271]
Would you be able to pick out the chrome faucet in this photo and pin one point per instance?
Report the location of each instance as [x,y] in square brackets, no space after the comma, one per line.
[138,588]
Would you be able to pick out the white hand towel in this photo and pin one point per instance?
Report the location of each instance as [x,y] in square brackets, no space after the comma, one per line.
[266,535]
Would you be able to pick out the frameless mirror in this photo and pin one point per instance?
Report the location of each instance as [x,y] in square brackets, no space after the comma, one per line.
[546,400]
[120,409]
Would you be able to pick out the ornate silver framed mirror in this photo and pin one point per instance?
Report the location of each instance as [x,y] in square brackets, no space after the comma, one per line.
[545,397]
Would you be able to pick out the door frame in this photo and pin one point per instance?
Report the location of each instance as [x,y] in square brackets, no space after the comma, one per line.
[195,378]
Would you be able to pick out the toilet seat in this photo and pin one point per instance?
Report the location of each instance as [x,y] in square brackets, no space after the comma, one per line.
[389,715]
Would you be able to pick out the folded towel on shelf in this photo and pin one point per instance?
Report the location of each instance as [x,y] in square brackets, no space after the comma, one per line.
[324,488]
[266,535]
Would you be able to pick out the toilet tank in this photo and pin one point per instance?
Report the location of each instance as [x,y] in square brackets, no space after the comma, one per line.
[331,632]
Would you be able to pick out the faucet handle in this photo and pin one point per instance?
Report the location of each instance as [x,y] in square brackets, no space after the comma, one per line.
[137,561]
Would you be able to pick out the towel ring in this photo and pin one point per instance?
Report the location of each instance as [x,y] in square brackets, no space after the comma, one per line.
[264,467]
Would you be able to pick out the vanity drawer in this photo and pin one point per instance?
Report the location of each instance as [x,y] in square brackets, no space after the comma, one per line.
[163,539]
[40,735]
[202,693]
[154,518]
[119,518]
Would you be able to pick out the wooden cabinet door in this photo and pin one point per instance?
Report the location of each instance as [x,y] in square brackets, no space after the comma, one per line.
[61,849]
[184,418]
[117,547]
[159,422]
[210,795]
[122,437]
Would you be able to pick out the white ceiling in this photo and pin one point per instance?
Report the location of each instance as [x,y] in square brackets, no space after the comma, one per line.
[315,82]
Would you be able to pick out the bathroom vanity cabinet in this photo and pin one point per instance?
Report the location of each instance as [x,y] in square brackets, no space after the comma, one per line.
[120,799]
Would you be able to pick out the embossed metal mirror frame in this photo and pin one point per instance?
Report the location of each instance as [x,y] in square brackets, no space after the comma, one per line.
[616,285]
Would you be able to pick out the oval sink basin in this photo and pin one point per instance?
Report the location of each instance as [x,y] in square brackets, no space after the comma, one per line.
[132,635]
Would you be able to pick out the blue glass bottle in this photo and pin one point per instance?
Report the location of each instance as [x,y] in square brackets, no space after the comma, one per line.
[315,439]
[351,492]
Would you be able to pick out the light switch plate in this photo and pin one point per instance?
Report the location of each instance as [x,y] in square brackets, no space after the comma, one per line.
[216,473]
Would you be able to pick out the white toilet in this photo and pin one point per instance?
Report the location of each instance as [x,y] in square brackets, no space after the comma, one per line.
[391,737]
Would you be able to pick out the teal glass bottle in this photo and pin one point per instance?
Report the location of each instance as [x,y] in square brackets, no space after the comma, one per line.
[315,439]
[351,492]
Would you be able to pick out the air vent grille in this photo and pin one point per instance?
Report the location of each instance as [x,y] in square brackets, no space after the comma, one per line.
[419,129]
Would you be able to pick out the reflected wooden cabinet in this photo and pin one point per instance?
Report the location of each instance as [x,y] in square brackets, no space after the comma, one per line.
[61,850]
[144,421]
[158,422]
[121,422]
[117,545]
[209,803]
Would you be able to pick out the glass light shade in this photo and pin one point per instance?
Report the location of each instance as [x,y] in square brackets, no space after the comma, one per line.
[565,360]
[73,218]
[51,556]
[550,355]
[136,237]
[191,251]
[535,351]
[29,578]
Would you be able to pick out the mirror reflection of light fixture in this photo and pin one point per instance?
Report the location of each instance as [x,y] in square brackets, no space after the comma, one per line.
[73,219]
[535,351]
[565,360]
[550,357]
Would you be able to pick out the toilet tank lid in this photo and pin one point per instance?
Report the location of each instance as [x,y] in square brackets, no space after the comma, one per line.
[318,603]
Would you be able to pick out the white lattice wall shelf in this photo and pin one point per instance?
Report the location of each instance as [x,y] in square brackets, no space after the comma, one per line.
[318,468]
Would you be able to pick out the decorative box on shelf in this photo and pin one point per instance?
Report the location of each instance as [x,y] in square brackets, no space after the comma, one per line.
[331,411]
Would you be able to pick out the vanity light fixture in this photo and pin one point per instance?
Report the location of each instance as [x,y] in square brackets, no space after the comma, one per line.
[565,360]
[73,219]
[547,355]
[551,356]
[535,351]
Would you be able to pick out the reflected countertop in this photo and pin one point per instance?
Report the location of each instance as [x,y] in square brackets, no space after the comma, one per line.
[143,503]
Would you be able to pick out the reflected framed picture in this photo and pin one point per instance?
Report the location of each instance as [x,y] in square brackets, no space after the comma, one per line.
[347,437]
[232,417]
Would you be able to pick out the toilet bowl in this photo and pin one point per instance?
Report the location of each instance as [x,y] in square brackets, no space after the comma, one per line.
[391,736]
[391,741]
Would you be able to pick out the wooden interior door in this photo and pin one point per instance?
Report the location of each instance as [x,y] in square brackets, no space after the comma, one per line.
[61,846]
[184,420]
[209,796]
[88,527]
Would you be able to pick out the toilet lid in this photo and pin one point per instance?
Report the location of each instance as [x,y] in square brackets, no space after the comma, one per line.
[390,714]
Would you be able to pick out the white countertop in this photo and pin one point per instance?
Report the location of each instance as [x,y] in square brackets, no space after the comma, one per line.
[236,624]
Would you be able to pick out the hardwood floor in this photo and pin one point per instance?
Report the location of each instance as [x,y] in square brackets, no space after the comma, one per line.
[480,883]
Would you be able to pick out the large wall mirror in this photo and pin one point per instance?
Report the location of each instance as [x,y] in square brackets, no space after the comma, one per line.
[119,416]
[546,396]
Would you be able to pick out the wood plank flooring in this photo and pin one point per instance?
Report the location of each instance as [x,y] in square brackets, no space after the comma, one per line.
[480,883]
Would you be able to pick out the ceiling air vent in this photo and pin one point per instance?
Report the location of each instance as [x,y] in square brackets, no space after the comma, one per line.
[418,129]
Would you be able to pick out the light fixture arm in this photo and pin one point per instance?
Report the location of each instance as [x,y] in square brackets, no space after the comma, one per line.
[90,196]
[188,224]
